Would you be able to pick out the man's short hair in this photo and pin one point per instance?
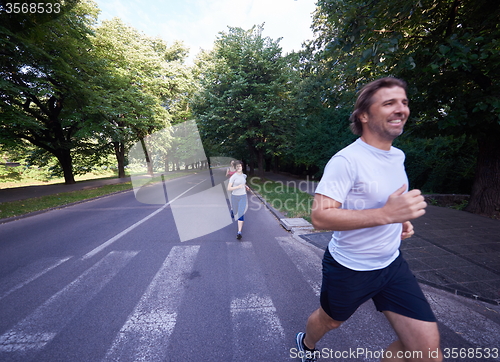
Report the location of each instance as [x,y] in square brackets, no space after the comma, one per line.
[364,101]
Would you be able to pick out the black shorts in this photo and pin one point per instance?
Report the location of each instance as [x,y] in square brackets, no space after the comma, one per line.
[393,288]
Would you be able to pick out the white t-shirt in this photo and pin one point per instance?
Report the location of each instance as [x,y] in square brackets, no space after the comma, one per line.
[362,177]
[236,180]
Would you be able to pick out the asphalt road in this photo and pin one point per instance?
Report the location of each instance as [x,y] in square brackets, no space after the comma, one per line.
[111,280]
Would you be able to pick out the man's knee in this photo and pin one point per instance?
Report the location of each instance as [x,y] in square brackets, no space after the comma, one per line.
[326,320]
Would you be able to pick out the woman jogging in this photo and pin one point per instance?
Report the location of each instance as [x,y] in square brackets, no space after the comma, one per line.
[237,186]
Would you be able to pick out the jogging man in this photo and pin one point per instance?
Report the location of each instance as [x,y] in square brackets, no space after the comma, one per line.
[363,197]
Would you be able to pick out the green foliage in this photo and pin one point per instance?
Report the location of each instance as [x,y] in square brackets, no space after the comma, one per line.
[80,92]
[36,173]
[44,76]
[244,103]
[144,84]
[9,173]
[322,121]
[449,53]
[440,164]
[319,136]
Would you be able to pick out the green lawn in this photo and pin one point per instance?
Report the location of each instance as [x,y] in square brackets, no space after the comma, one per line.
[283,197]
[17,208]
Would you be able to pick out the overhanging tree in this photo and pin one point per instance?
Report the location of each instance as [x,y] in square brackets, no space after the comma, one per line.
[45,70]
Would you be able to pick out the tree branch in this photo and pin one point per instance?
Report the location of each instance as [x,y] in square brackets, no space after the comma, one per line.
[451,19]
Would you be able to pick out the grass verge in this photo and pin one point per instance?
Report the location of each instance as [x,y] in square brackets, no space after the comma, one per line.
[22,207]
[19,180]
[284,197]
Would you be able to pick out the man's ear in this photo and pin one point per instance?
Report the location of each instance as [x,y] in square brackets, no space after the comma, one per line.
[363,117]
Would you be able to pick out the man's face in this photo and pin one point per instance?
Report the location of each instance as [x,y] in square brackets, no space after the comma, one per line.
[387,116]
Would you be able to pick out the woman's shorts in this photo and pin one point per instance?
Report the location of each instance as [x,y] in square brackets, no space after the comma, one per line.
[239,204]
[393,288]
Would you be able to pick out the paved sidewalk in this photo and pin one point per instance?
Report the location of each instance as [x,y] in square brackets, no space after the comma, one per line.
[452,250]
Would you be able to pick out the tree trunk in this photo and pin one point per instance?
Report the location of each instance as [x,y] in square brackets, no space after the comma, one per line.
[485,195]
[146,155]
[260,163]
[251,165]
[252,156]
[120,158]
[165,162]
[64,158]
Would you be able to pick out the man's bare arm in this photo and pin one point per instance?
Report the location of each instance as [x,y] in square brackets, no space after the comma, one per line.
[400,207]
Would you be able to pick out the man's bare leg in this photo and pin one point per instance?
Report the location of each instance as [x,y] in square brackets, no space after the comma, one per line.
[318,324]
[418,340]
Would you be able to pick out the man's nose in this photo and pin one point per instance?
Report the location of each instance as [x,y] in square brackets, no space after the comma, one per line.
[400,107]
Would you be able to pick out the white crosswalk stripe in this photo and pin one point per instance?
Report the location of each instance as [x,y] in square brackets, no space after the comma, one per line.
[27,274]
[145,334]
[253,313]
[39,328]
[305,259]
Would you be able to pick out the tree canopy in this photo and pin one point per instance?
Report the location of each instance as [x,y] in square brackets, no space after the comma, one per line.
[244,100]
[74,89]
[45,69]
[139,89]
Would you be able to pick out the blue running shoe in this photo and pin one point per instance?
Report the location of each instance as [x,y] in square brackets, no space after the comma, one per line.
[305,355]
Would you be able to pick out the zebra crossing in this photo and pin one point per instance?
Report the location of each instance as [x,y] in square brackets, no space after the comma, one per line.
[39,328]
[23,276]
[257,329]
[145,334]
[154,318]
